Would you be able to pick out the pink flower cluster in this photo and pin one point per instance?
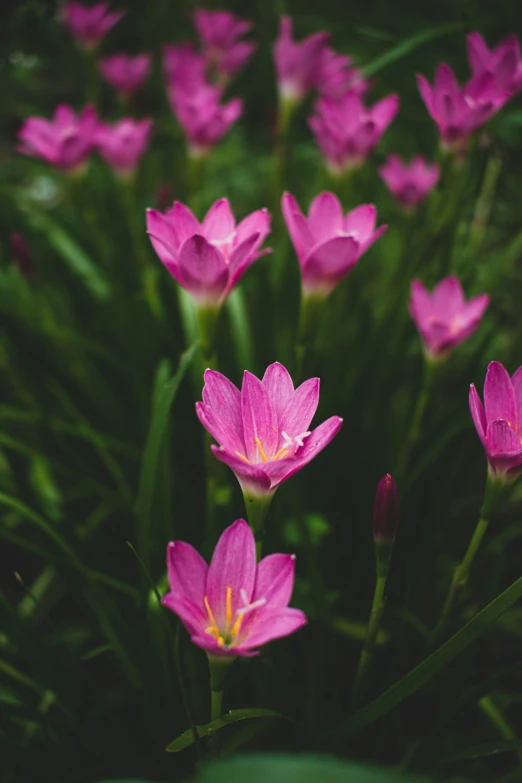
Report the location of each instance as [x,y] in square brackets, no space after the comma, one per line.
[196,80]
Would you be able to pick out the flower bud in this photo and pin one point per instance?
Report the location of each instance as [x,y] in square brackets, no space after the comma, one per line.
[22,256]
[385,510]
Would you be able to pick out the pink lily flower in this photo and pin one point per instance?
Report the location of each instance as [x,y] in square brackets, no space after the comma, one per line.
[337,75]
[219,32]
[184,67]
[327,243]
[444,318]
[89,24]
[499,421]
[263,430]
[123,144]
[234,605]
[66,141]
[125,74]
[459,111]
[347,131]
[504,61]
[297,64]
[209,258]
[409,184]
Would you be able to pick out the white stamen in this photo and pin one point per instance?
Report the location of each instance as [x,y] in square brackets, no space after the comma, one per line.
[299,438]
[244,596]
[251,607]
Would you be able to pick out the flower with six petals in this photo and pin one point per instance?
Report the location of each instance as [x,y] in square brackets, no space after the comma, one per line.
[504,61]
[89,24]
[297,64]
[125,74]
[219,32]
[122,145]
[409,183]
[66,141]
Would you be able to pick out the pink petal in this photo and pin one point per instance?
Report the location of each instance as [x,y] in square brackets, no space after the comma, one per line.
[209,643]
[242,256]
[159,226]
[192,615]
[425,91]
[224,398]
[448,297]
[384,111]
[184,222]
[187,571]
[325,217]
[478,53]
[516,381]
[499,396]
[273,625]
[360,222]
[297,225]
[220,429]
[478,414]
[329,263]
[252,478]
[300,408]
[219,221]
[279,386]
[203,269]
[502,439]
[233,566]
[259,419]
[275,580]
[257,222]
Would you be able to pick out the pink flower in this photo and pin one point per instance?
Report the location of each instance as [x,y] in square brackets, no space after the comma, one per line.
[499,421]
[89,25]
[409,184]
[347,131]
[263,430]
[122,145]
[297,64]
[459,111]
[66,141]
[504,61]
[184,67]
[234,605]
[209,258]
[337,75]
[444,318]
[327,243]
[125,74]
[220,32]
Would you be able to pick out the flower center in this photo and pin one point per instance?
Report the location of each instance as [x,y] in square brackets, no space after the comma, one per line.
[226,634]
[284,451]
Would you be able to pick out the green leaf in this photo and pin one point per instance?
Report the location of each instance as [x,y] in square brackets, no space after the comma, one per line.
[240,328]
[428,668]
[76,259]
[187,738]
[408,45]
[163,398]
[283,768]
[480,751]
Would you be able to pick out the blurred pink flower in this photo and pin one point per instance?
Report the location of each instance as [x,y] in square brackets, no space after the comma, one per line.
[122,145]
[209,258]
[347,131]
[66,141]
[499,421]
[337,75]
[89,24]
[202,116]
[409,184]
[459,111]
[297,64]
[219,32]
[263,430]
[124,73]
[184,67]
[385,510]
[504,61]
[444,318]
[327,243]
[235,604]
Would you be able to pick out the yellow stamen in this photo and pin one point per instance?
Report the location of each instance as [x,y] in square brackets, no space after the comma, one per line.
[242,456]
[283,452]
[229,606]
[236,626]
[220,641]
[211,618]
[261,451]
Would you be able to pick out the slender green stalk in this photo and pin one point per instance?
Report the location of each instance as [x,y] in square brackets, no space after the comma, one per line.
[372,631]
[257,508]
[286,109]
[309,310]
[412,437]
[218,668]
[216,698]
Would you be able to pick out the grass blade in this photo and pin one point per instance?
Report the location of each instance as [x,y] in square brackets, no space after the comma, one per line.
[407,46]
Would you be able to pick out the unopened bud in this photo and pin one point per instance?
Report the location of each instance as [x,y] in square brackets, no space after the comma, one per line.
[385,512]
[164,196]
[22,256]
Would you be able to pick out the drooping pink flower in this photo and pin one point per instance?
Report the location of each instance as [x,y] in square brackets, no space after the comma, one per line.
[234,605]
[219,32]
[499,421]
[444,318]
[184,67]
[89,24]
[327,243]
[209,258]
[409,184]
[122,145]
[347,131]
[263,430]
[459,111]
[297,64]
[124,73]
[66,141]
[337,75]
[504,61]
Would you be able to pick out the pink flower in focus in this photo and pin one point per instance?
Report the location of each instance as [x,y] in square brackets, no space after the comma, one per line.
[263,430]
[209,258]
[125,74]
[122,145]
[327,243]
[184,67]
[409,184]
[347,131]
[202,116]
[89,24]
[499,421]
[444,318]
[235,604]
[337,75]
[297,64]
[219,32]
[459,111]
[66,141]
[504,61]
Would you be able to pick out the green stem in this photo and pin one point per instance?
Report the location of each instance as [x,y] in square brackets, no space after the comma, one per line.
[285,112]
[257,508]
[493,713]
[374,623]
[412,437]
[219,668]
[216,698]
[309,310]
